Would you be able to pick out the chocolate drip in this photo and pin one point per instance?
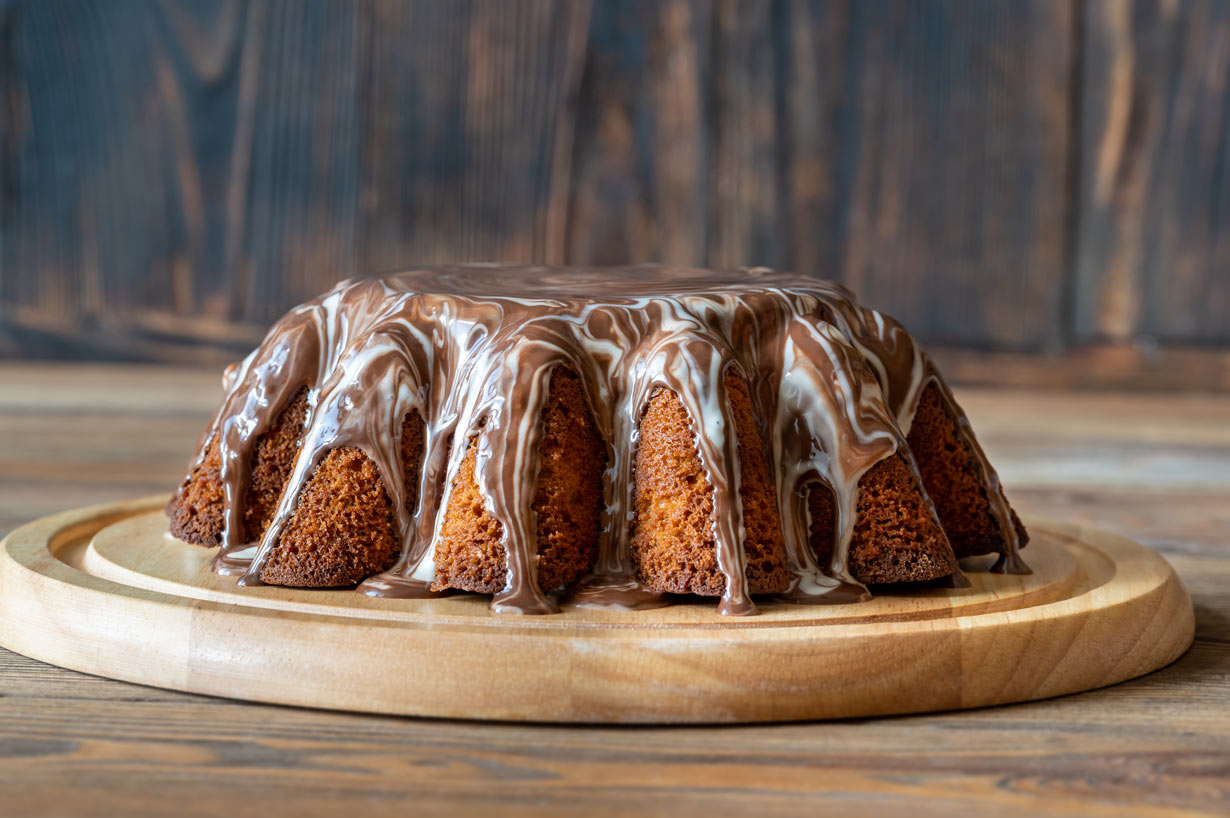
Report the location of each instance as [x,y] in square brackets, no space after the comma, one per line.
[834,386]
[904,370]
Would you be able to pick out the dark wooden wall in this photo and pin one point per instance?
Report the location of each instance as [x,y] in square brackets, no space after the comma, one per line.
[1024,175]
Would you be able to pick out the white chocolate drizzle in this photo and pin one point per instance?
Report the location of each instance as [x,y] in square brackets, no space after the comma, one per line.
[472,348]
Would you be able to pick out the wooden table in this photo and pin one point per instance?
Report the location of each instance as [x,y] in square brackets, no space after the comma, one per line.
[1154,468]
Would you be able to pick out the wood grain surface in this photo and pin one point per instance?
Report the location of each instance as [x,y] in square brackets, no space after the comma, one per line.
[1019,175]
[1154,246]
[1153,468]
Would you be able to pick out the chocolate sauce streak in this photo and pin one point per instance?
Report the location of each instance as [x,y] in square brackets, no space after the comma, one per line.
[834,386]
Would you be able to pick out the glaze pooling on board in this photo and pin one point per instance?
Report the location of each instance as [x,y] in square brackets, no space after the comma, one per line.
[834,387]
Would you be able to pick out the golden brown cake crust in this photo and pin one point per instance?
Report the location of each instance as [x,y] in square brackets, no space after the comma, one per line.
[567,503]
[196,511]
[673,547]
[950,475]
[196,508]
[342,530]
[896,537]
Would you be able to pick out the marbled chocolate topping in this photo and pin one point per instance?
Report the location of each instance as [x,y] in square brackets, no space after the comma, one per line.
[472,348]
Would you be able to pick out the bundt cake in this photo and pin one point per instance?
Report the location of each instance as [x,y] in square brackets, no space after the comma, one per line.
[593,437]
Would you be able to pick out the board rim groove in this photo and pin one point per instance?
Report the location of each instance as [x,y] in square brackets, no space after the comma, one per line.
[1131,619]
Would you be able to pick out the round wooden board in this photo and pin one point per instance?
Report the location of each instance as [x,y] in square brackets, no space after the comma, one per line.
[105,590]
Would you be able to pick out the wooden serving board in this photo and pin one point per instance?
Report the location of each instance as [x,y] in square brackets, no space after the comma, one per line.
[106,590]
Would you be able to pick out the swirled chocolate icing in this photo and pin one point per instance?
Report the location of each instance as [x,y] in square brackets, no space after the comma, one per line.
[472,348]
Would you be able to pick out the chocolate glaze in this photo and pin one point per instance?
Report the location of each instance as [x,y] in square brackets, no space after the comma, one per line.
[604,592]
[233,563]
[843,594]
[958,579]
[834,386]
[400,587]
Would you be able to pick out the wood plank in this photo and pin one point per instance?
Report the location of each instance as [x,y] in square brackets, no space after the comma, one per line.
[132,749]
[958,138]
[920,156]
[250,154]
[225,165]
[746,202]
[90,206]
[1059,441]
[1123,367]
[1154,245]
[640,169]
[291,225]
[467,117]
[817,140]
[185,159]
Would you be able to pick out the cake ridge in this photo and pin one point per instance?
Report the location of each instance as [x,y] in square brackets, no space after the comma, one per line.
[834,385]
